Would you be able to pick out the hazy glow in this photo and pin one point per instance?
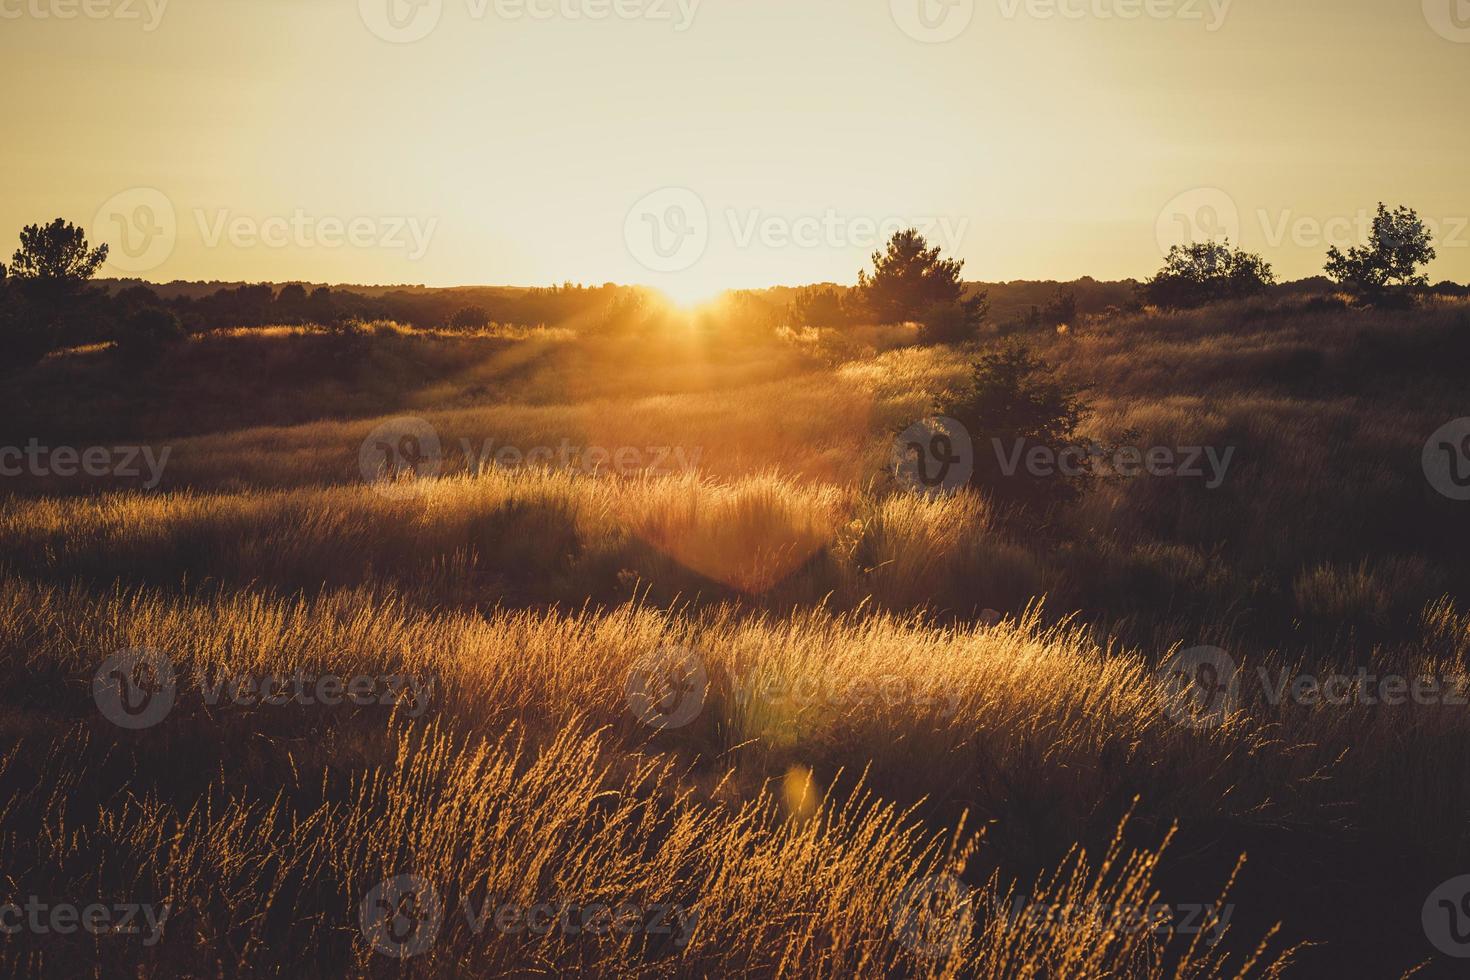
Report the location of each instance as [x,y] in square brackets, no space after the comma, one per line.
[690,293]
[292,142]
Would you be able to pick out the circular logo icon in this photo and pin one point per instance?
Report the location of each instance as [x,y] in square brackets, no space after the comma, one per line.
[1201,686]
[1446,917]
[934,915]
[934,456]
[1205,214]
[139,227]
[398,454]
[668,230]
[933,21]
[1447,459]
[401,21]
[667,688]
[1449,18]
[134,689]
[401,917]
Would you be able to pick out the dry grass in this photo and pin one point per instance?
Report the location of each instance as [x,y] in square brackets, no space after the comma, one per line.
[871,733]
[264,838]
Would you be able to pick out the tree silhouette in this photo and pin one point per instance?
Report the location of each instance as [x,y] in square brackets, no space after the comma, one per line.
[320,307]
[910,281]
[45,298]
[1206,272]
[55,258]
[1389,263]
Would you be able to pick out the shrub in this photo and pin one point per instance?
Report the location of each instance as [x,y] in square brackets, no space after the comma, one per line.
[1013,405]
[146,332]
[470,318]
[1208,272]
[949,323]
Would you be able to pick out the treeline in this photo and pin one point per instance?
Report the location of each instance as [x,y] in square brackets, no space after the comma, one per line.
[49,300]
[911,282]
[263,304]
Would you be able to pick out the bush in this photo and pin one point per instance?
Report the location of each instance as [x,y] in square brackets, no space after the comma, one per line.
[1196,275]
[1013,405]
[148,331]
[950,323]
[470,318]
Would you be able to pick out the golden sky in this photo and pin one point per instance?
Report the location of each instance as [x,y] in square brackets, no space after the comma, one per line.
[702,144]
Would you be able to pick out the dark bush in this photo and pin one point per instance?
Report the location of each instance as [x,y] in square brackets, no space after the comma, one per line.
[147,332]
[470,318]
[1208,272]
[1013,405]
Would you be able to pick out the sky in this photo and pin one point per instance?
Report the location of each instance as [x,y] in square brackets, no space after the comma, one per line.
[697,145]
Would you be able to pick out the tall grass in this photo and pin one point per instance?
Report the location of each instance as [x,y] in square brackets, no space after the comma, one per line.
[264,828]
[916,711]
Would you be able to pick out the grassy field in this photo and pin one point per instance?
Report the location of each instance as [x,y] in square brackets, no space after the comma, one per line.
[907,735]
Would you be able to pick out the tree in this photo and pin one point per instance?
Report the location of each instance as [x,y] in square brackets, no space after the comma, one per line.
[470,318]
[1206,272]
[46,298]
[1014,404]
[911,282]
[290,303]
[54,259]
[1389,263]
[320,306]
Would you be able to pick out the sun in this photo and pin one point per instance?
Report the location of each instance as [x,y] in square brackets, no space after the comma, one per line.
[690,293]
